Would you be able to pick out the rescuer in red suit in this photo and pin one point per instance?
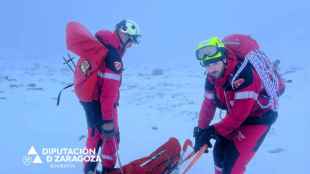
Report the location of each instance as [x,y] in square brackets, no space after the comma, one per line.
[97,80]
[236,84]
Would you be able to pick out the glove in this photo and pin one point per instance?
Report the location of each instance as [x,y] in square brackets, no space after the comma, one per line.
[203,136]
[113,60]
[107,129]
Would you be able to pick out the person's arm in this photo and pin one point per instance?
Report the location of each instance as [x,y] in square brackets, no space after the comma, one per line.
[244,100]
[208,107]
[207,110]
[109,92]
[237,115]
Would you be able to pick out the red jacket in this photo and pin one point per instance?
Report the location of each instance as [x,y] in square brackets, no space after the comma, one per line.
[101,82]
[110,75]
[239,98]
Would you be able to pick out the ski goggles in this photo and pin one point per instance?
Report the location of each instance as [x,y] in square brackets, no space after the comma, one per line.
[209,54]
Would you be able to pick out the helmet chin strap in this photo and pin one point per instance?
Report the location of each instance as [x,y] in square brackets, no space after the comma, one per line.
[126,43]
[123,45]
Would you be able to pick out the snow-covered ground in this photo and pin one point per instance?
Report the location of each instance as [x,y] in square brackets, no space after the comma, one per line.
[156,103]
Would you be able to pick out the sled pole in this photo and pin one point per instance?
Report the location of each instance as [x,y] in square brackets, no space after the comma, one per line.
[197,156]
[186,144]
[189,156]
[118,157]
[183,160]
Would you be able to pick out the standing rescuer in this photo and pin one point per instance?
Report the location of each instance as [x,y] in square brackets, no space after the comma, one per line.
[240,80]
[97,80]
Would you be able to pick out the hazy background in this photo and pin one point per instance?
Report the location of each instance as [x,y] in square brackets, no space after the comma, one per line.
[171,29]
[31,73]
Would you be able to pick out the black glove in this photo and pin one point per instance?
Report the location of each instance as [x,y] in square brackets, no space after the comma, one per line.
[203,136]
[113,60]
[107,129]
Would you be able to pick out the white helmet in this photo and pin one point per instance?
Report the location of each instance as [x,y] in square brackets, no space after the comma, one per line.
[130,28]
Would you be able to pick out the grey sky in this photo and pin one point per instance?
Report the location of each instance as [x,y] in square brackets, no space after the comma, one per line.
[171,29]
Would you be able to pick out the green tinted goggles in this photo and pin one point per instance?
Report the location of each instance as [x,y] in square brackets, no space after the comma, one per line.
[209,54]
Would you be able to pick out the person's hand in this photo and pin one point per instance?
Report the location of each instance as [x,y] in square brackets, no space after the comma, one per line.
[203,136]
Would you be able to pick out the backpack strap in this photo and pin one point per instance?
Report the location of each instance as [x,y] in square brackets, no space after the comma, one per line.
[264,68]
[260,62]
[238,72]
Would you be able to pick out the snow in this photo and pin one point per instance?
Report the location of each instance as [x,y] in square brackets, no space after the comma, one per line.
[153,108]
[163,83]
